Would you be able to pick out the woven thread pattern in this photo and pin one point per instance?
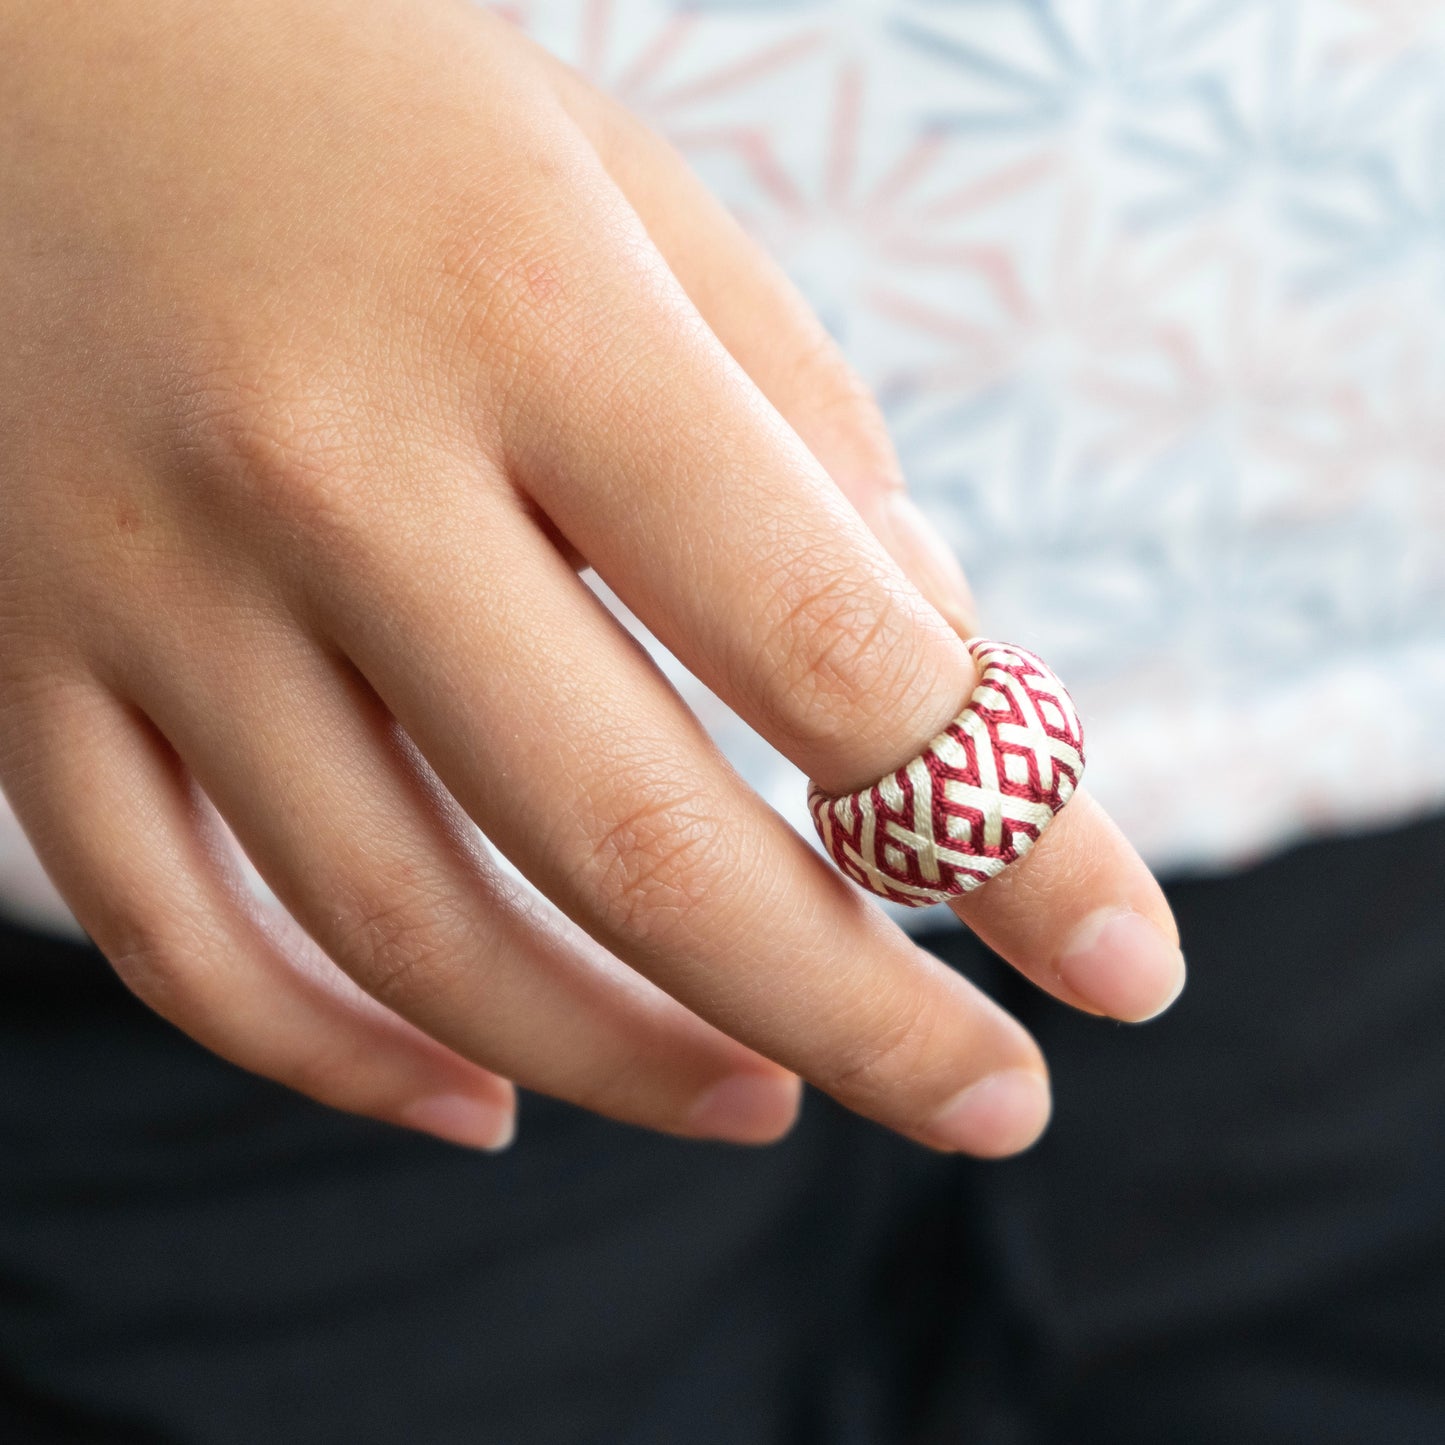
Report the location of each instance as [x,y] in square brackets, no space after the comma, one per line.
[975,799]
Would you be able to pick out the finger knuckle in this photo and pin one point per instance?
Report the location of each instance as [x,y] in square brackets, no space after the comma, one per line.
[655,864]
[839,656]
[399,945]
[513,296]
[883,1053]
[493,310]
[274,443]
[507,292]
[147,956]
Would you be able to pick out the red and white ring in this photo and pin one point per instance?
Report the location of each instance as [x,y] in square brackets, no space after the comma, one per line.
[975,799]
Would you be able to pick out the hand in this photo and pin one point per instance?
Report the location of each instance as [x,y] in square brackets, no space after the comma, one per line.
[337,338]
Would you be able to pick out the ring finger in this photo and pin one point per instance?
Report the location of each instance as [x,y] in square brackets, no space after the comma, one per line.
[380,866]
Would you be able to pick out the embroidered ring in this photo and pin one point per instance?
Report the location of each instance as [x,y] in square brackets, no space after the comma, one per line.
[977,798]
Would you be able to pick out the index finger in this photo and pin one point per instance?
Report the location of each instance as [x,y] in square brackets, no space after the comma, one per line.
[659,460]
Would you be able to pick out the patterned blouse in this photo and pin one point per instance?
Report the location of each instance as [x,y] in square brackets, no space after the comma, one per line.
[1153,295]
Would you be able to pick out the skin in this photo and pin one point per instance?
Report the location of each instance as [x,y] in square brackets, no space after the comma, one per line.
[338,339]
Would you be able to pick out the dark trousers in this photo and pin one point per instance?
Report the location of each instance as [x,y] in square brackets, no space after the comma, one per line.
[1233,1232]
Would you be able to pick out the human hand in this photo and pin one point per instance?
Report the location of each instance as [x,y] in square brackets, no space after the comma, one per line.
[338,337]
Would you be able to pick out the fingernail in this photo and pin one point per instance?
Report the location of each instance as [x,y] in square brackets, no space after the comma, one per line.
[463,1119]
[1123,964]
[928,560]
[1000,1115]
[747,1109]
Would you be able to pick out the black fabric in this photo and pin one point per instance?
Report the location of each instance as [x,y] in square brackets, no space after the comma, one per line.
[1233,1231]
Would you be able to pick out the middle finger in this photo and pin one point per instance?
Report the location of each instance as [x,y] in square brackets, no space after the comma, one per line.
[565,743]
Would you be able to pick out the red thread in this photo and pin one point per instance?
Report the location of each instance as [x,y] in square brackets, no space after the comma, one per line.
[995,778]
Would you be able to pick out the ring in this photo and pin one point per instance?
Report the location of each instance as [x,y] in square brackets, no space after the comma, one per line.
[977,798]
